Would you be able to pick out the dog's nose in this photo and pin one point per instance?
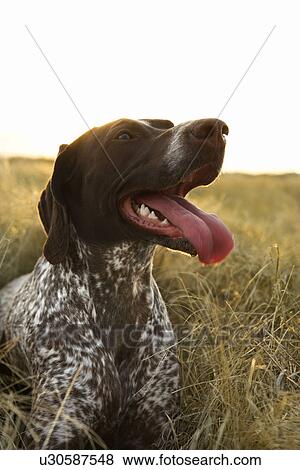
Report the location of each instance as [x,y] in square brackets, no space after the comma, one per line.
[206,128]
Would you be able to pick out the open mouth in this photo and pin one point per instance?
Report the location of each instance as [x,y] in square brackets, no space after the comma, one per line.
[167,213]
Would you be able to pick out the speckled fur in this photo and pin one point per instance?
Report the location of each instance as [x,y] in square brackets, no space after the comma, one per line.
[95,329]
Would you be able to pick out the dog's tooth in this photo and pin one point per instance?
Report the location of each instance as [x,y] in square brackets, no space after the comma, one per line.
[152,215]
[164,222]
[144,210]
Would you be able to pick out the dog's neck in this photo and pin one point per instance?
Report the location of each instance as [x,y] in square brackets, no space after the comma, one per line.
[119,281]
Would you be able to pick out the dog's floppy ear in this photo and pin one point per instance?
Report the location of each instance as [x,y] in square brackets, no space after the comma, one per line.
[56,224]
[52,208]
[159,123]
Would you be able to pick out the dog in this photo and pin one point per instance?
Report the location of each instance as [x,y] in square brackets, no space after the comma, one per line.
[91,326]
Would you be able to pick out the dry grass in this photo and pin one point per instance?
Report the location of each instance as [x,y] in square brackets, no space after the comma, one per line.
[239,321]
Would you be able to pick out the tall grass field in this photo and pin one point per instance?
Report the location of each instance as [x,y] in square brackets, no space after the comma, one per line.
[239,321]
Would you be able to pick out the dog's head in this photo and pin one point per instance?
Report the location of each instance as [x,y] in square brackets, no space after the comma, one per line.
[127,180]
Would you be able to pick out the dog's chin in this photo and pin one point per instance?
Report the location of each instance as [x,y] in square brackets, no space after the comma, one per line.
[179,244]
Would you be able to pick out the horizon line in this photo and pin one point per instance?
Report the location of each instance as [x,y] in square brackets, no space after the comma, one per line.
[224,171]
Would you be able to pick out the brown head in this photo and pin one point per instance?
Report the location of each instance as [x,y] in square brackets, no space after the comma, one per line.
[126,181]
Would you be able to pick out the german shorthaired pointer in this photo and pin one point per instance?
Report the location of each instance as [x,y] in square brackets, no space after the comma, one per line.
[93,331]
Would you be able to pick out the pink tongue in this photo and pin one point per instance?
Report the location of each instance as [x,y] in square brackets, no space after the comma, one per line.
[206,232]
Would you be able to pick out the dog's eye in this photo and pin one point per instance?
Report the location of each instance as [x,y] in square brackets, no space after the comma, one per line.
[124,136]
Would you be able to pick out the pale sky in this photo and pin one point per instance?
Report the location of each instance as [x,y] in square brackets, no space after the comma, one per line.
[178,60]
